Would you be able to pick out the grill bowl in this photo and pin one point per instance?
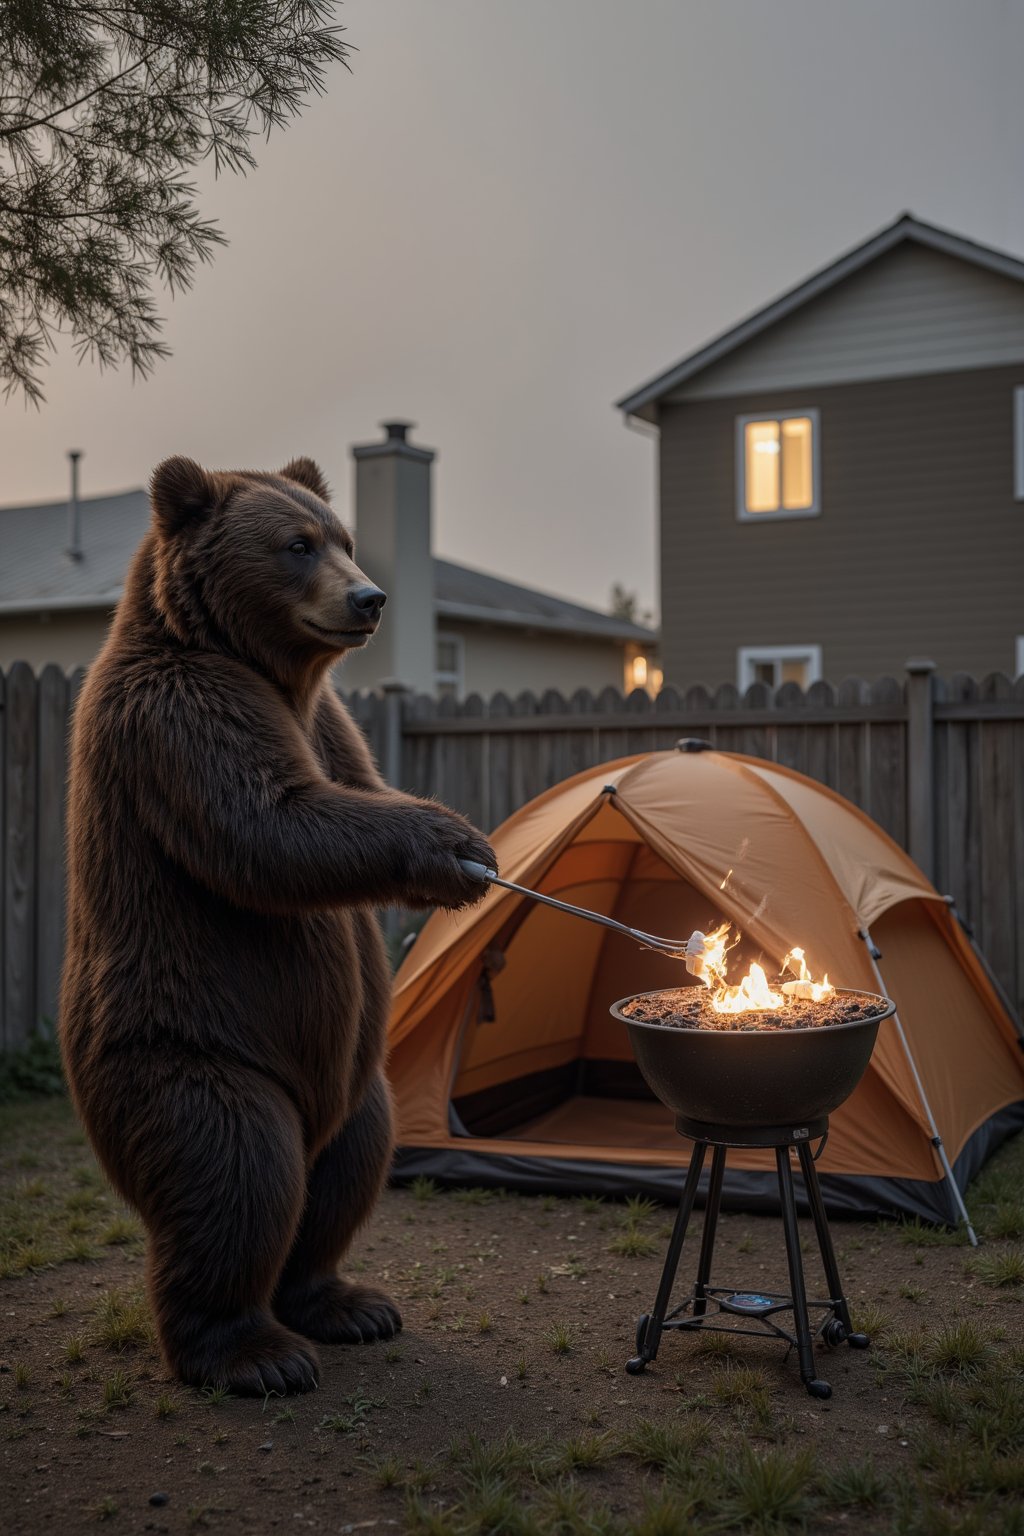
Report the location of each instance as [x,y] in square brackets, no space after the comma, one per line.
[752,1078]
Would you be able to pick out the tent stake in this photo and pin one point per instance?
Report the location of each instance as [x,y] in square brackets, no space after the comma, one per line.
[875,954]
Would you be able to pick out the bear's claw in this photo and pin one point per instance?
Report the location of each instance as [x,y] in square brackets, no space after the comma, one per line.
[336,1312]
[260,1359]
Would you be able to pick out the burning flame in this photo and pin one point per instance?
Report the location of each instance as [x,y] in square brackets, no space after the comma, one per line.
[706,956]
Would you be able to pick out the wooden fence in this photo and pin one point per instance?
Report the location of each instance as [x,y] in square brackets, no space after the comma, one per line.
[939,763]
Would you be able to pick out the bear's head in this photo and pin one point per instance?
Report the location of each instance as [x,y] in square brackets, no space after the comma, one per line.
[259,564]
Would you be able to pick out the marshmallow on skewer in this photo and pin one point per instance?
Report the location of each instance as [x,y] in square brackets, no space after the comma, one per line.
[693,954]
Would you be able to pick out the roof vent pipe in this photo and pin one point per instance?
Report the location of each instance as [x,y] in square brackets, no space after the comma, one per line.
[74,548]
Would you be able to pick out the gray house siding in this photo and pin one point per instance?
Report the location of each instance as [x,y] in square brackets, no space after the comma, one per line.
[912,311]
[919,548]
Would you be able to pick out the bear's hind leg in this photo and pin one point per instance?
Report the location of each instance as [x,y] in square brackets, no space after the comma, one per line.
[221,1187]
[343,1187]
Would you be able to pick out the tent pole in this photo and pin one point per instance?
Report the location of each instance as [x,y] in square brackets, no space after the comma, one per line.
[875,954]
[979,955]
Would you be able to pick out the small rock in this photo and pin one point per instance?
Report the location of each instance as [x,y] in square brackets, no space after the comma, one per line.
[159,1498]
[268,1445]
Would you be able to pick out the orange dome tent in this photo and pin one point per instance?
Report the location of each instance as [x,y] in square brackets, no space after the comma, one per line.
[508,1069]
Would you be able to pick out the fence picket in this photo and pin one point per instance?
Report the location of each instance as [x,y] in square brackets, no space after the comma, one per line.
[20,793]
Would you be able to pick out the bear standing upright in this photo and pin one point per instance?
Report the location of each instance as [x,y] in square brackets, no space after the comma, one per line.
[225,990]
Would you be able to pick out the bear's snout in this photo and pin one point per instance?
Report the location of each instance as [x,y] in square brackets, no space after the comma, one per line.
[367,602]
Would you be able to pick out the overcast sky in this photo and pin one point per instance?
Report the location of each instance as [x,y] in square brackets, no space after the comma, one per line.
[514,211]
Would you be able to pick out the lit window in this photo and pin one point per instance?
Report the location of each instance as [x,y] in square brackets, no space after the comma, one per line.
[642,672]
[777,465]
[1019,656]
[775,665]
[1018,444]
[448,666]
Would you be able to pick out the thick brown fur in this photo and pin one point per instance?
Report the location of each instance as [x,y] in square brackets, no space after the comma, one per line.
[225,991]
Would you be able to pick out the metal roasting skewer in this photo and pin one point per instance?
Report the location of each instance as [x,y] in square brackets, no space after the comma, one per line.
[649,940]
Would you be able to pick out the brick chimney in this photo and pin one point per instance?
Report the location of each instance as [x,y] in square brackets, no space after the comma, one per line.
[393,547]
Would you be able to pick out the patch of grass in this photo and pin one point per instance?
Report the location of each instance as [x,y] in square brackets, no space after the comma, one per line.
[922,1234]
[65,1384]
[106,1509]
[22,1376]
[167,1405]
[214,1396]
[582,1453]
[591,1204]
[424,1189]
[1007,1220]
[869,1318]
[359,1411]
[1000,1270]
[745,1389]
[716,1346]
[392,1354]
[285,1416]
[855,1485]
[632,1244]
[59,1307]
[122,1322]
[669,1445]
[560,1339]
[763,1491]
[542,1283]
[120,1231]
[638,1208]
[961,1348]
[117,1391]
[485,1323]
[474,1196]
[914,1293]
[386,1471]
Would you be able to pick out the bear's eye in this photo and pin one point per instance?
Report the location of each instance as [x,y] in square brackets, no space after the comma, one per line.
[300,547]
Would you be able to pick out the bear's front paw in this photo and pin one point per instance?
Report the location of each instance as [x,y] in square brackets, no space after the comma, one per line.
[250,1359]
[335,1312]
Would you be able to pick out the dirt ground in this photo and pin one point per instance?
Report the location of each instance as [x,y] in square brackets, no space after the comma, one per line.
[504,1405]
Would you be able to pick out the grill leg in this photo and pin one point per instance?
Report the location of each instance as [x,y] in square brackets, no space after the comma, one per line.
[707,1243]
[804,1348]
[828,1256]
[648,1330]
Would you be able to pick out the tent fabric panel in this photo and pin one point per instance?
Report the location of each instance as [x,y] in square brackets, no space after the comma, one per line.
[860,1197]
[969,1069]
[730,830]
[525,844]
[538,1005]
[871,870]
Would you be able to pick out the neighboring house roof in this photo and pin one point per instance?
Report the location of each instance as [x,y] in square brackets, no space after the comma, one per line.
[643,401]
[473,596]
[36,573]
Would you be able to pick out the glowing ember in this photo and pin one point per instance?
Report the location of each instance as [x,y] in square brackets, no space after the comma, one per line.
[706,957]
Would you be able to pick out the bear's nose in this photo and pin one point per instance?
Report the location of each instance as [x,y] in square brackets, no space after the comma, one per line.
[368,601]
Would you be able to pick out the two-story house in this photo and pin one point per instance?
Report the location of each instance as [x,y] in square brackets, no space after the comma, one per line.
[842,474]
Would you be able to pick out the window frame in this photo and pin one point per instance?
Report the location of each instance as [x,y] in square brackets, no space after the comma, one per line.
[1019,657]
[813,414]
[1018,443]
[747,656]
[457,678]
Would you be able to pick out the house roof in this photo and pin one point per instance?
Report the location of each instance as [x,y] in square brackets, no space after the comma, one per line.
[36,573]
[642,402]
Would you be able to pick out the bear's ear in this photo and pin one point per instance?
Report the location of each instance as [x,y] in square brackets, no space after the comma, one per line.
[309,475]
[181,493]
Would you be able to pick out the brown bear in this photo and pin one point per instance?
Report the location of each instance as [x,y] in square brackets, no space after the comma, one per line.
[225,991]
